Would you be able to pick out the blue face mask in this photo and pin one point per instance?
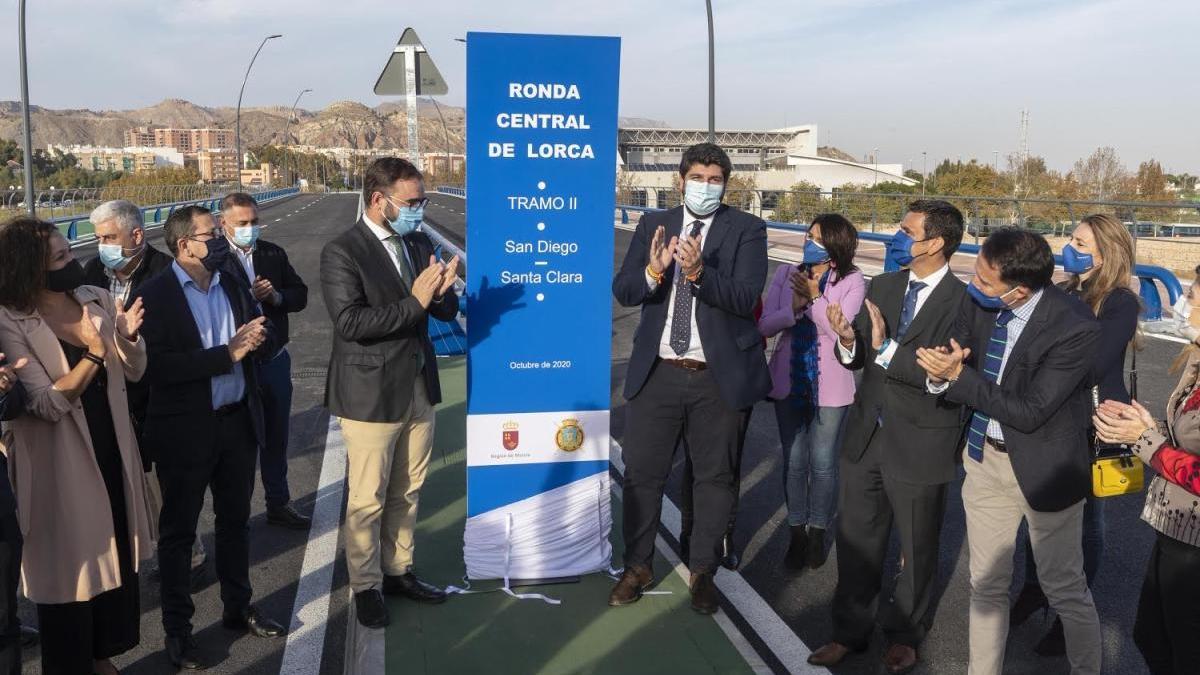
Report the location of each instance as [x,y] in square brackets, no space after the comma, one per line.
[113,256]
[985,301]
[702,198]
[407,219]
[245,237]
[1075,262]
[901,248]
[814,253]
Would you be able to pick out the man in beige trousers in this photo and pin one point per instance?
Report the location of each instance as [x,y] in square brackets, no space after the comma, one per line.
[1031,346]
[381,281]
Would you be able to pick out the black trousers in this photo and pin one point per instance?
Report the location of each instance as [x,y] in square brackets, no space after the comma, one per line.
[677,403]
[1167,628]
[869,504]
[687,500]
[10,576]
[227,468]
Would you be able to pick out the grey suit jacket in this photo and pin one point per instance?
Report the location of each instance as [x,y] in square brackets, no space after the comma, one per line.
[380,329]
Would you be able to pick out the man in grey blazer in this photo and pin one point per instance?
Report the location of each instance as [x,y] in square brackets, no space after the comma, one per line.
[381,281]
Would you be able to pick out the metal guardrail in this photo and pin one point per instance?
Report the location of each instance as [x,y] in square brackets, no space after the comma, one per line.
[1147,275]
[157,214]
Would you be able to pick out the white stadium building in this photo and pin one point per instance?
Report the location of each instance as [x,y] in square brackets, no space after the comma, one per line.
[648,158]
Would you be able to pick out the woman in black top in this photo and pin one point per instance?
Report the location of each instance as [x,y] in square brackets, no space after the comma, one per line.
[1099,259]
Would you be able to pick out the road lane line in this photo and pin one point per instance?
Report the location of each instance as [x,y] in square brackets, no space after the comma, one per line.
[310,613]
[774,632]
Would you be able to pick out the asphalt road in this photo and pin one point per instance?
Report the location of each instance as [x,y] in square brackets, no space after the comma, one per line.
[302,224]
[803,600]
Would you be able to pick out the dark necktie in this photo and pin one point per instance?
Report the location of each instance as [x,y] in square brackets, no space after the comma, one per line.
[977,434]
[397,245]
[910,308]
[681,320]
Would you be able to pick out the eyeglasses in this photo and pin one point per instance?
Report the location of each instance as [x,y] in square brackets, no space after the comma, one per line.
[415,203]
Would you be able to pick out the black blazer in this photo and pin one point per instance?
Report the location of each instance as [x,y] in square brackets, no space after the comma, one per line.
[271,262]
[12,404]
[1043,402]
[379,327]
[180,370]
[735,270]
[922,431]
[153,262]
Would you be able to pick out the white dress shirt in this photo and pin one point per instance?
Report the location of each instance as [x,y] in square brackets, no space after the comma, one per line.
[695,349]
[383,234]
[246,257]
[884,358]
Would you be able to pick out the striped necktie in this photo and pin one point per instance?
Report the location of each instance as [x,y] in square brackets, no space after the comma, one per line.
[992,363]
[909,310]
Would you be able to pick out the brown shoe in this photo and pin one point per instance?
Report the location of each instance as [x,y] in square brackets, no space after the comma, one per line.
[629,589]
[829,655]
[704,593]
[900,659]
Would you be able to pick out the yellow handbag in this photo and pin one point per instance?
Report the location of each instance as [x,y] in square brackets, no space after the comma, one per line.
[1114,476]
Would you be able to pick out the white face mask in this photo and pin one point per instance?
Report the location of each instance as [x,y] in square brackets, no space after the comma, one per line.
[702,198]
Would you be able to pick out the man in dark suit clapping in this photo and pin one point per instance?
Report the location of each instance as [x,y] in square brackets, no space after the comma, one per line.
[381,282]
[900,443]
[204,424]
[1031,349]
[697,366]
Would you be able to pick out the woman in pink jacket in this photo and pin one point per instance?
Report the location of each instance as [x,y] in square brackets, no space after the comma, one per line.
[811,390]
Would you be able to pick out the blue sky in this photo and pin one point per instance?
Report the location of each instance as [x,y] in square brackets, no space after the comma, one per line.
[906,76]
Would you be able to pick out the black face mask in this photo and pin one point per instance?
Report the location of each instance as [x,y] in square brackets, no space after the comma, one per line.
[66,279]
[218,251]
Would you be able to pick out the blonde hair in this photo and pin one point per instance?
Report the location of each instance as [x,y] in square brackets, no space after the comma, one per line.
[1116,249]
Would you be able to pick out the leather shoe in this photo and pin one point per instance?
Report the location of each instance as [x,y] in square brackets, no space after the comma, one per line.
[1053,643]
[181,650]
[253,623]
[797,553]
[704,593]
[900,659]
[370,609]
[634,580]
[413,588]
[286,516]
[816,547]
[829,654]
[29,637]
[1029,601]
[730,559]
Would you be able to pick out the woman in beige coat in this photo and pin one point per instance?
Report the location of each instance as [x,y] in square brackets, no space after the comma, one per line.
[73,460]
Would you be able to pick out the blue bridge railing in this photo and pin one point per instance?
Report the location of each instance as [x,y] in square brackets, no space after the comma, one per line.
[1149,276]
[158,213]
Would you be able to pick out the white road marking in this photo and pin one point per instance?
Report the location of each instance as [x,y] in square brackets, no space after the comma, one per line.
[783,642]
[310,613]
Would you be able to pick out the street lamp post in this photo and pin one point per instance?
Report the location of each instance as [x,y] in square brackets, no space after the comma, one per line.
[287,127]
[238,132]
[712,79]
[28,131]
[445,134]
[924,158]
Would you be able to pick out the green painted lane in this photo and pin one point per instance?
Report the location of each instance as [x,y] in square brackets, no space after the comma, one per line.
[492,632]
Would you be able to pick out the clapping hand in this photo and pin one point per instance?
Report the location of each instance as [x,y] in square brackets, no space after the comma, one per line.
[249,337]
[840,324]
[130,320]
[801,291]
[264,290]
[687,254]
[8,375]
[449,276]
[428,282]
[878,325]
[661,251]
[943,364]
[89,333]
[1118,422]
